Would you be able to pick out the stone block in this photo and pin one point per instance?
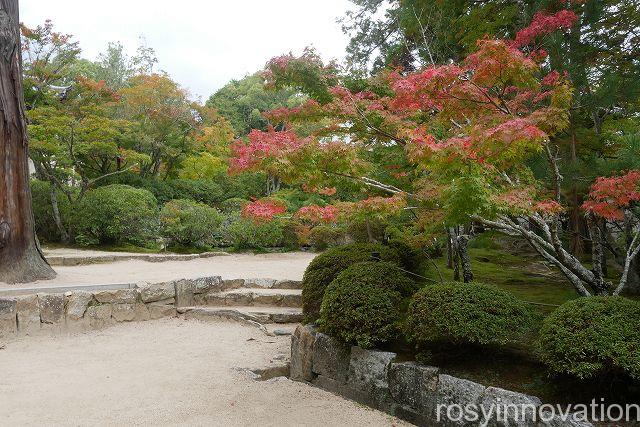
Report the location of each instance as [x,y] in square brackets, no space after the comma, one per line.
[455,391]
[259,283]
[270,300]
[292,300]
[239,298]
[330,357]
[185,290]
[215,299]
[117,296]
[287,284]
[414,385]
[123,312]
[28,314]
[51,308]
[204,285]
[519,409]
[232,284]
[152,292]
[99,315]
[158,311]
[8,317]
[77,303]
[302,353]
[369,368]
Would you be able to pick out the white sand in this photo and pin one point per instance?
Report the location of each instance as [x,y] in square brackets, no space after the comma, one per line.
[290,265]
[165,372]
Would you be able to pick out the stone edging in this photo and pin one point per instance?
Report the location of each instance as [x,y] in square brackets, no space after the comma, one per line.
[65,260]
[85,309]
[407,390]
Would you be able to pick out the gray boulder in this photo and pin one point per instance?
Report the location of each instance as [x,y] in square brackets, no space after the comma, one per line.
[51,308]
[331,358]
[302,353]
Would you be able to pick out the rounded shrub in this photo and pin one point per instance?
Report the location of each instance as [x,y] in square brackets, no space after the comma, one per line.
[117,214]
[467,313]
[322,237]
[244,233]
[326,267]
[592,336]
[189,223]
[363,305]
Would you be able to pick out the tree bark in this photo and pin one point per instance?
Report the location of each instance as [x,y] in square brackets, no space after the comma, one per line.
[20,257]
[64,235]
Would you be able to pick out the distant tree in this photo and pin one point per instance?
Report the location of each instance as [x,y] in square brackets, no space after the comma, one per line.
[20,257]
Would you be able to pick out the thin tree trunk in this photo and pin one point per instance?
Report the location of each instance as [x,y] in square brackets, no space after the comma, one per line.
[20,257]
[64,236]
[465,258]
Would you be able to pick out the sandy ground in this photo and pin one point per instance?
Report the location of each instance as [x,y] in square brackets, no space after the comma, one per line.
[165,372]
[290,265]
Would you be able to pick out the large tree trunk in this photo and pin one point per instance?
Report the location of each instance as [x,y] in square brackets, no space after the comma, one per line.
[20,256]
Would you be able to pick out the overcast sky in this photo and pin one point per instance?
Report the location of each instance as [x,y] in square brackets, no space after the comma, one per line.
[202,44]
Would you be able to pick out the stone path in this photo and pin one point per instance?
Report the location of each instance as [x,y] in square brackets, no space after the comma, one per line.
[290,265]
[163,372]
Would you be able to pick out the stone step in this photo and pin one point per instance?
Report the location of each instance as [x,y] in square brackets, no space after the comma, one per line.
[256,297]
[257,314]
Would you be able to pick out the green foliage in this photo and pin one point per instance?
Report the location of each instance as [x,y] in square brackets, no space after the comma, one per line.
[326,267]
[363,305]
[322,237]
[117,214]
[43,211]
[589,337]
[469,313]
[244,233]
[234,204]
[189,223]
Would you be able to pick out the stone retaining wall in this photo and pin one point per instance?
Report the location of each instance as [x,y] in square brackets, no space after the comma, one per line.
[407,390]
[70,260]
[79,310]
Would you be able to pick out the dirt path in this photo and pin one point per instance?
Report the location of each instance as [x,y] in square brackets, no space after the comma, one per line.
[290,265]
[166,372]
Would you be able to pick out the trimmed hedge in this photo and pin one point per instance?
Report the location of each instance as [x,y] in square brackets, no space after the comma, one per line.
[467,313]
[592,336]
[189,223]
[244,233]
[364,304]
[117,214]
[326,267]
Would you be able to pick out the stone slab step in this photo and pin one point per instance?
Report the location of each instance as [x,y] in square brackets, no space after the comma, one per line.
[256,297]
[257,314]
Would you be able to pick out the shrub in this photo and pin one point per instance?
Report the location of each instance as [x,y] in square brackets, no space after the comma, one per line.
[117,214]
[470,313]
[245,233]
[364,304]
[362,231]
[43,211]
[189,223]
[588,337]
[411,258]
[322,237]
[233,205]
[326,266]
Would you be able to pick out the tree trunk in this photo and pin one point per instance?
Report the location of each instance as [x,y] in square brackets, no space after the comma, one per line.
[64,236]
[465,258]
[20,257]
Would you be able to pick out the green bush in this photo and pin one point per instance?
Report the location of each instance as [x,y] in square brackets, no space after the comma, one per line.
[592,336]
[364,304]
[117,214]
[471,313]
[189,223]
[43,211]
[233,205]
[326,267]
[322,237]
[361,232]
[244,233]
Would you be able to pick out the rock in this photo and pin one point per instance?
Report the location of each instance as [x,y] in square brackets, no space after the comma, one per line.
[185,290]
[123,312]
[215,299]
[51,308]
[259,283]
[232,284]
[287,284]
[204,285]
[99,315]
[28,314]
[117,296]
[455,391]
[302,353]
[158,311]
[547,419]
[369,368]
[142,312]
[330,358]
[157,291]
[292,300]
[519,409]
[77,303]
[281,332]
[269,300]
[239,298]
[8,317]
[414,385]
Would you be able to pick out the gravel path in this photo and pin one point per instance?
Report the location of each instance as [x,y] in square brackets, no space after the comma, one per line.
[290,265]
[165,372]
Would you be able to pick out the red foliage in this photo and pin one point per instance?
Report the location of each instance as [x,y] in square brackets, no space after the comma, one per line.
[260,146]
[263,210]
[610,196]
[543,24]
[316,214]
